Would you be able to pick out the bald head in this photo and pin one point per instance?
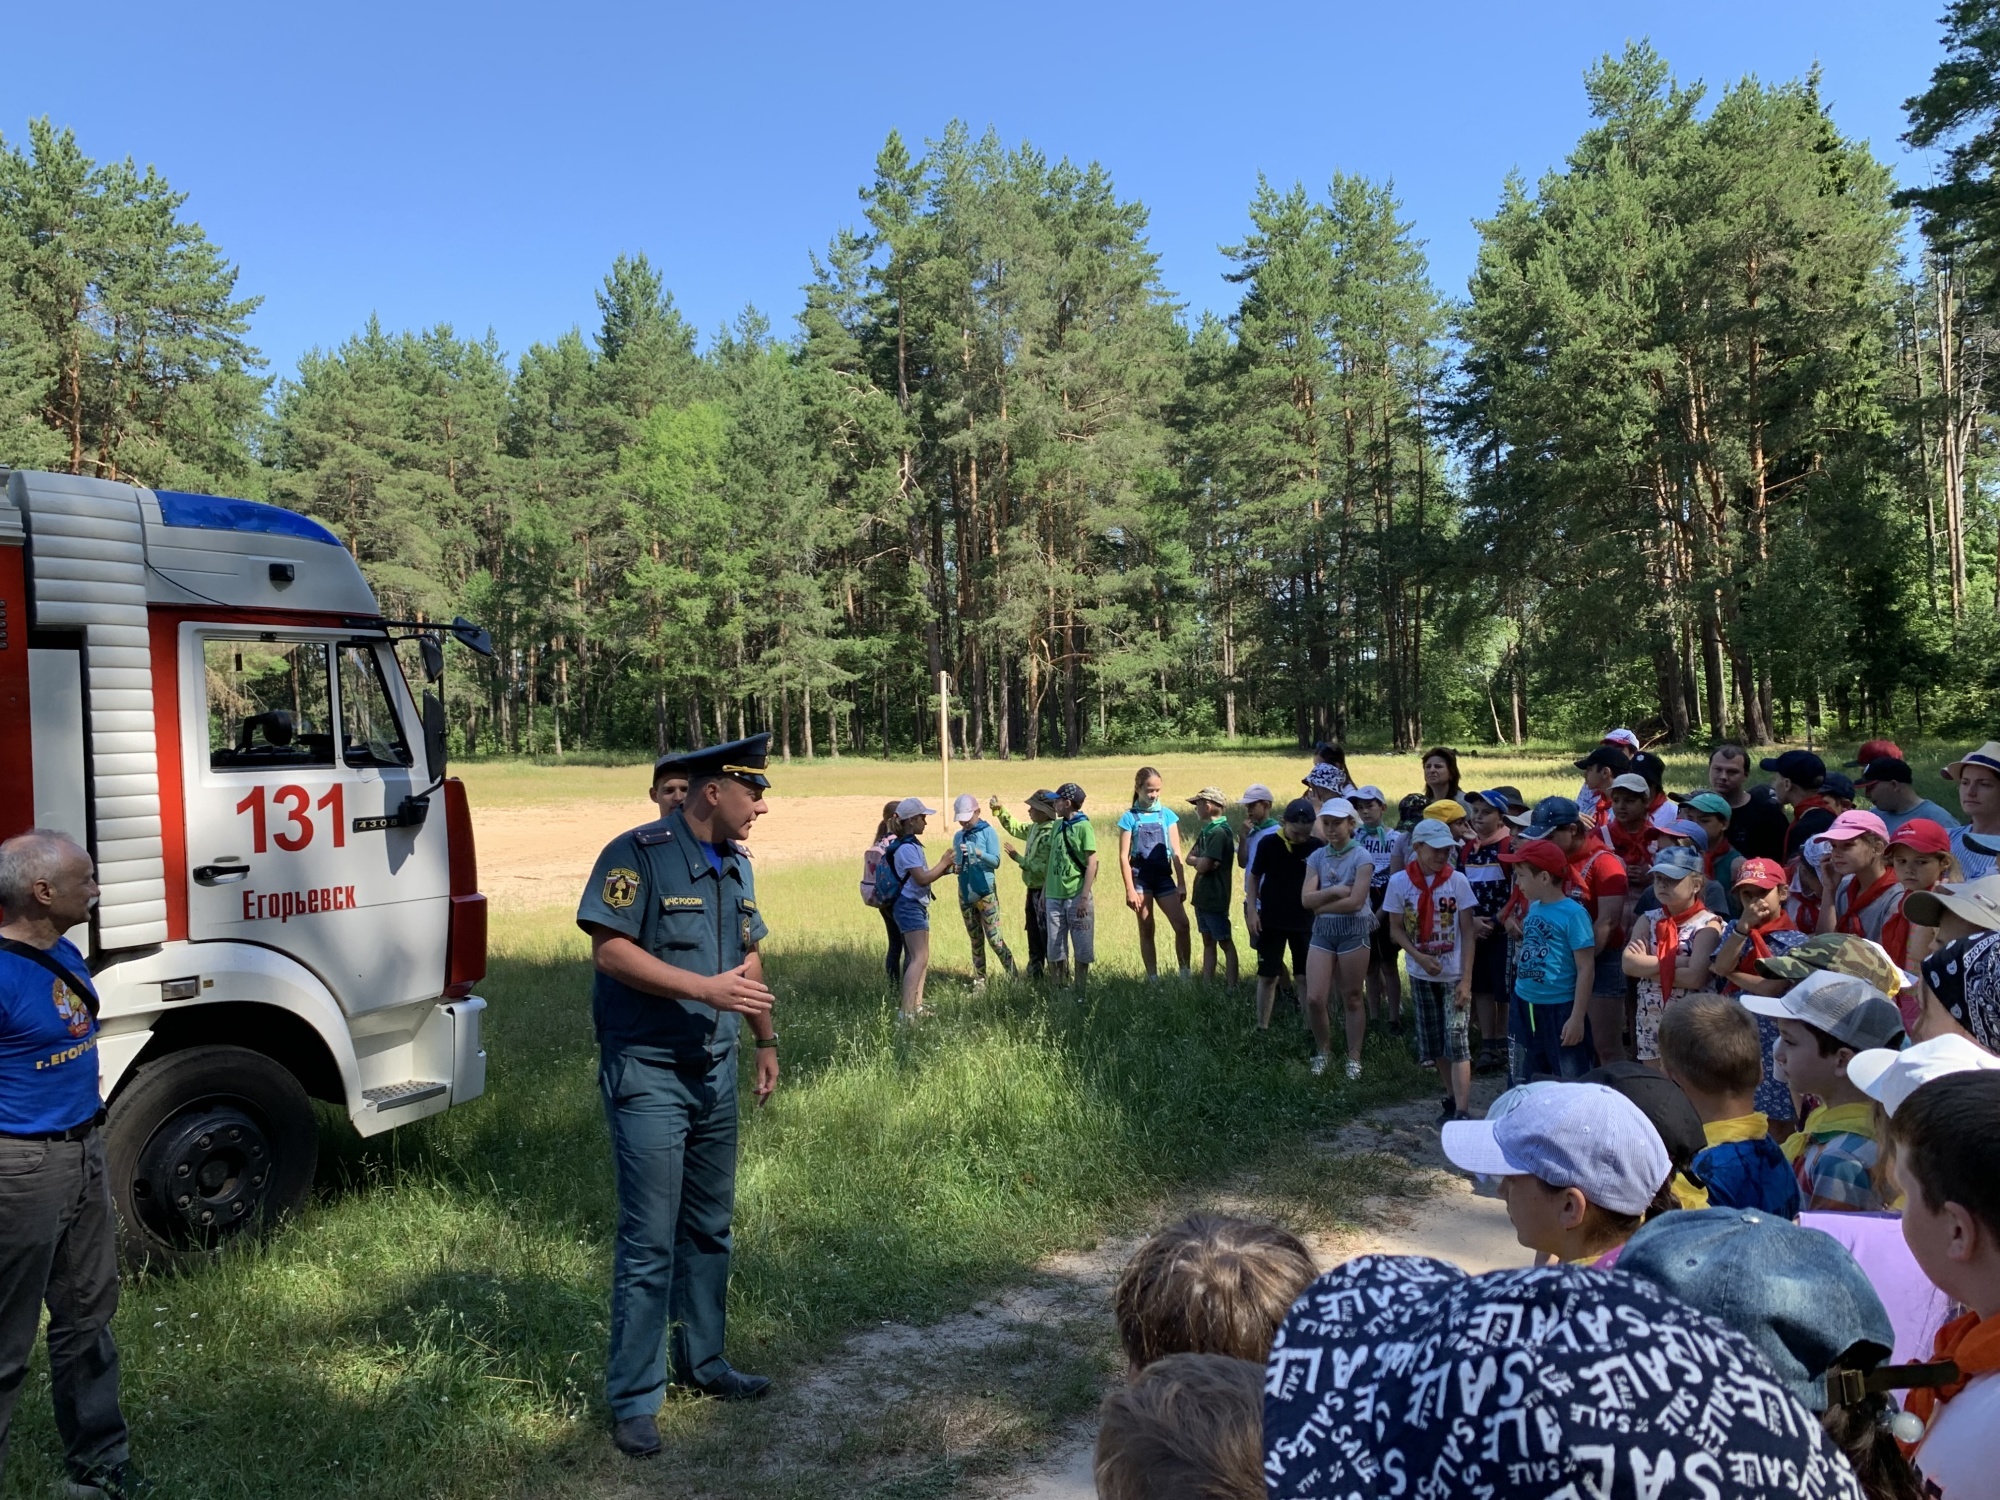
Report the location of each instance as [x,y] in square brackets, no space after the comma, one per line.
[45,878]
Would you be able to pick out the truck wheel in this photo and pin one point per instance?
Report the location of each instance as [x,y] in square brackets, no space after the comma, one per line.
[204,1146]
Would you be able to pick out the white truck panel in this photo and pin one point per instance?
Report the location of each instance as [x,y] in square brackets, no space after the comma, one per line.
[228,972]
[99,583]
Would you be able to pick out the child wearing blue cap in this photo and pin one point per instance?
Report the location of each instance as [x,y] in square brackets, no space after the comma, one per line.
[1580,1168]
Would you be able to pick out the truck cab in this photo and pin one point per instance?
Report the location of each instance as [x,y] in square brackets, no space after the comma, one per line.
[204,693]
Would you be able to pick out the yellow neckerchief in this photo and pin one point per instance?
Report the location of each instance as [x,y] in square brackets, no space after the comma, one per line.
[1686,1194]
[1751,1127]
[1831,1119]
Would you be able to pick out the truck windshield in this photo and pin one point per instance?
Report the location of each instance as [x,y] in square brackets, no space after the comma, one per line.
[369,733]
[269,704]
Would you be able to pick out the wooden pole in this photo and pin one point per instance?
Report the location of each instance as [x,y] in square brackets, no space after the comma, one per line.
[944,739]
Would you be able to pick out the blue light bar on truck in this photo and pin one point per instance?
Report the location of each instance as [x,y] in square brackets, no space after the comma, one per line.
[215,513]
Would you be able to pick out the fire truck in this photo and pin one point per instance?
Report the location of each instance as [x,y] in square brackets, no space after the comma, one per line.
[203,692]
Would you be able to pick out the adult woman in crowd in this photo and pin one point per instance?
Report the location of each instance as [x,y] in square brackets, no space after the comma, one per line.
[1441,776]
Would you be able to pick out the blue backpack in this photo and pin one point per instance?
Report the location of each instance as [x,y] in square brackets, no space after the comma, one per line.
[888,883]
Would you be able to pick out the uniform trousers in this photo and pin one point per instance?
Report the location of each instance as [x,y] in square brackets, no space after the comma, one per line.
[59,1245]
[673,1144]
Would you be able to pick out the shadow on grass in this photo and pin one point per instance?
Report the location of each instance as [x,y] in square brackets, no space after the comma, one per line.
[434,1323]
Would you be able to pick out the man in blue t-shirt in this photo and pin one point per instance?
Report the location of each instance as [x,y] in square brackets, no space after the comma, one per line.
[58,1230]
[1554,965]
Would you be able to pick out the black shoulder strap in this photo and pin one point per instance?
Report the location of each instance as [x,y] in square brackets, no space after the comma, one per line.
[44,960]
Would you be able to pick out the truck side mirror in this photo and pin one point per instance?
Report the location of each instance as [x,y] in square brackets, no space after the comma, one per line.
[434,735]
[473,637]
[432,651]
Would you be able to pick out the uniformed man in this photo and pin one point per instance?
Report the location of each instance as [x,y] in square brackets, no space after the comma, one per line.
[670,783]
[671,910]
[58,1231]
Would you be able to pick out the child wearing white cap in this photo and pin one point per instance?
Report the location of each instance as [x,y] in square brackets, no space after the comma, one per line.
[975,854]
[914,878]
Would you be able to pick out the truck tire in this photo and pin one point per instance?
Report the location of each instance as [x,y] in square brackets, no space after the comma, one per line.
[205,1146]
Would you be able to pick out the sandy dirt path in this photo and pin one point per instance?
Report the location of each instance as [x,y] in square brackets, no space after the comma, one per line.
[540,856]
[949,1407]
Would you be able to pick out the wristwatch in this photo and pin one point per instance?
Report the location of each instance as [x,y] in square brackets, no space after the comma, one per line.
[764,1041]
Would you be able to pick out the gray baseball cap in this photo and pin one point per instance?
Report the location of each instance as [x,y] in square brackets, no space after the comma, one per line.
[1851,1011]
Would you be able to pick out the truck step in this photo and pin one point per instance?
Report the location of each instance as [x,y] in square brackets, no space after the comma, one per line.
[399,1095]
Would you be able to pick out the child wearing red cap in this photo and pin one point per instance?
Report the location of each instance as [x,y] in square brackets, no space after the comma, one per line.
[1866,893]
[1765,930]
[1554,964]
[1920,854]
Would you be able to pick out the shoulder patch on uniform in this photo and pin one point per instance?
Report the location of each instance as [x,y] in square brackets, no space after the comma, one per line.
[621,888]
[652,834]
[680,903]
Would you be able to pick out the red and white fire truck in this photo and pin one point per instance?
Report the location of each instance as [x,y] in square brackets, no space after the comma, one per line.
[205,694]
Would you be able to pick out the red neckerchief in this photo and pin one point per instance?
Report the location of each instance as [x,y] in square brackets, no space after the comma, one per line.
[1427,898]
[1970,1342]
[1807,803]
[1896,934]
[1667,942]
[1636,849]
[1850,920]
[1659,801]
[1760,947]
[1716,850]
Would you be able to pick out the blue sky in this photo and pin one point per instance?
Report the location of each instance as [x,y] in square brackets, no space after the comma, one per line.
[481,165]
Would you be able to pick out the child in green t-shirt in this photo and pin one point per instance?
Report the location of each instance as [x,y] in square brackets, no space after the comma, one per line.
[1213,855]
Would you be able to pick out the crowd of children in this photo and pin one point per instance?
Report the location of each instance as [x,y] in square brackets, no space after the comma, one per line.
[1742,1025]
[1655,1346]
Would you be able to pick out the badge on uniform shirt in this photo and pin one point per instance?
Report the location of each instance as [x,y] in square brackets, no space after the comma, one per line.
[621,888]
[680,903]
[70,1009]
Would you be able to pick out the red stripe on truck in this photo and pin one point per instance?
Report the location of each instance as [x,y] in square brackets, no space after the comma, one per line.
[465,952]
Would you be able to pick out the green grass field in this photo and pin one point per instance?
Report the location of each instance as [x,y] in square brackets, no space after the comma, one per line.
[1537,771]
[434,1324]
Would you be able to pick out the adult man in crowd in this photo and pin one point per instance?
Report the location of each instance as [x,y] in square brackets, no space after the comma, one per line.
[1978,778]
[1888,784]
[671,910]
[1757,824]
[58,1230]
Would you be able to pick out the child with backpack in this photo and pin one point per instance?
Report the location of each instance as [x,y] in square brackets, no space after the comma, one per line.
[871,861]
[902,883]
[975,853]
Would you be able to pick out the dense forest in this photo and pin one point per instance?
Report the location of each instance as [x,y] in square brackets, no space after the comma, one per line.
[1705,445]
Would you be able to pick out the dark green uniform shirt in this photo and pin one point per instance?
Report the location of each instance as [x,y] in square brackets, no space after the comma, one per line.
[658,886]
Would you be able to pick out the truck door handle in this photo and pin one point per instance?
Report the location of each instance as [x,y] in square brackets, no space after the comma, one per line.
[227,871]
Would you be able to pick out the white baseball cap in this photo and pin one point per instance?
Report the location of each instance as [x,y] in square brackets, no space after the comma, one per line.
[1632,781]
[910,807]
[1889,1077]
[1337,807]
[1368,794]
[1258,792]
[964,806]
